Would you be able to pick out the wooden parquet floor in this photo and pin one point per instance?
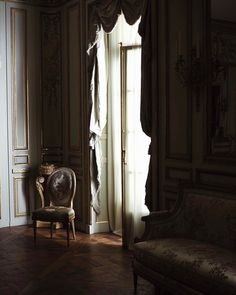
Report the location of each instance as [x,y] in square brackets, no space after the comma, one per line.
[93,264]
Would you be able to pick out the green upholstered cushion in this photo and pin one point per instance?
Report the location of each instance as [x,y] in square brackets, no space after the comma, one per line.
[54,214]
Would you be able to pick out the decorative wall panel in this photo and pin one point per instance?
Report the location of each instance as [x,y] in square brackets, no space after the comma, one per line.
[74,78]
[180,116]
[51,85]
[21,195]
[171,196]
[0,201]
[19,160]
[178,99]
[47,3]
[22,49]
[218,179]
[75,160]
[176,174]
[221,135]
[19,79]
[4,180]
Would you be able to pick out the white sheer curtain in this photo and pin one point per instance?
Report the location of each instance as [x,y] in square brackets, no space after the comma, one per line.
[98,118]
[134,204]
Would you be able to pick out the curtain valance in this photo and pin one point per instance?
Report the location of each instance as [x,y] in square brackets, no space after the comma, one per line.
[104,13]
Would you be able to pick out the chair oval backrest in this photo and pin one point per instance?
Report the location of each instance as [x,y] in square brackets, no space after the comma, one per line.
[61,186]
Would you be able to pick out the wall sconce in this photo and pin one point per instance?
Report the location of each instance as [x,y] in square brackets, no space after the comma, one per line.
[190,71]
[219,57]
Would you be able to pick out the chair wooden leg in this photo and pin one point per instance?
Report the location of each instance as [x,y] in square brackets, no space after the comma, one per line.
[73,228]
[135,278]
[51,229]
[35,230]
[68,234]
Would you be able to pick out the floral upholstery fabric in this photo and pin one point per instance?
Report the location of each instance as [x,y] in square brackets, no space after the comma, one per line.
[205,267]
[195,245]
[60,187]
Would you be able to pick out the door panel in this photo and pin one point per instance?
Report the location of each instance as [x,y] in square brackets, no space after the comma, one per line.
[4,192]
[22,116]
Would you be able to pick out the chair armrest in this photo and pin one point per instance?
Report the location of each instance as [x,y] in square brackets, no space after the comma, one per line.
[39,185]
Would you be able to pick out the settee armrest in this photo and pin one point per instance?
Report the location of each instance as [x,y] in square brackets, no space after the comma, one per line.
[164,224]
[156,215]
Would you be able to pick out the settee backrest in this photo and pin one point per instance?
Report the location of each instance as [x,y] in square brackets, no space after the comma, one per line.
[210,218]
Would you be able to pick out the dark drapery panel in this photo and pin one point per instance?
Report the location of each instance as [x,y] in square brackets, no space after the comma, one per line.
[147,96]
[108,12]
[132,10]
[146,68]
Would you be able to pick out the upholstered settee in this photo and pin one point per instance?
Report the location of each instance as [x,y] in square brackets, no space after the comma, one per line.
[191,250]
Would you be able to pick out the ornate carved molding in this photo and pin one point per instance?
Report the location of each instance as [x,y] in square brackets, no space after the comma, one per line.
[223,181]
[177,174]
[21,195]
[48,3]
[20,98]
[221,130]
[74,76]
[51,80]
[178,100]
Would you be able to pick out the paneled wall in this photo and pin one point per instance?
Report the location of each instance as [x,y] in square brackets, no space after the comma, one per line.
[176,110]
[4,170]
[64,131]
[19,58]
[184,117]
[51,87]
[179,138]
[43,110]
[76,136]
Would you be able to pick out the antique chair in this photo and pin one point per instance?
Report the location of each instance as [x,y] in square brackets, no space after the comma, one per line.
[60,191]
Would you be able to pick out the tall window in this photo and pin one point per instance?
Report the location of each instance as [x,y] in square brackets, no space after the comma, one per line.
[127,144]
[134,145]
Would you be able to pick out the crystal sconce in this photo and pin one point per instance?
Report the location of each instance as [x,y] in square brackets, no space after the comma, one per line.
[190,70]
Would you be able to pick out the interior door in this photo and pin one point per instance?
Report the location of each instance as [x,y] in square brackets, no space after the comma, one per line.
[4,187]
[22,93]
[135,145]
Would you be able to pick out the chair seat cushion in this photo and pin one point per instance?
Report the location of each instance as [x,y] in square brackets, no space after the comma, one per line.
[54,213]
[204,267]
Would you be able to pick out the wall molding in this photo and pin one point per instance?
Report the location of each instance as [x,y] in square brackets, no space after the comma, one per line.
[0,201]
[41,3]
[221,180]
[176,174]
[170,195]
[24,182]
[19,85]
[187,156]
[74,74]
[51,81]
